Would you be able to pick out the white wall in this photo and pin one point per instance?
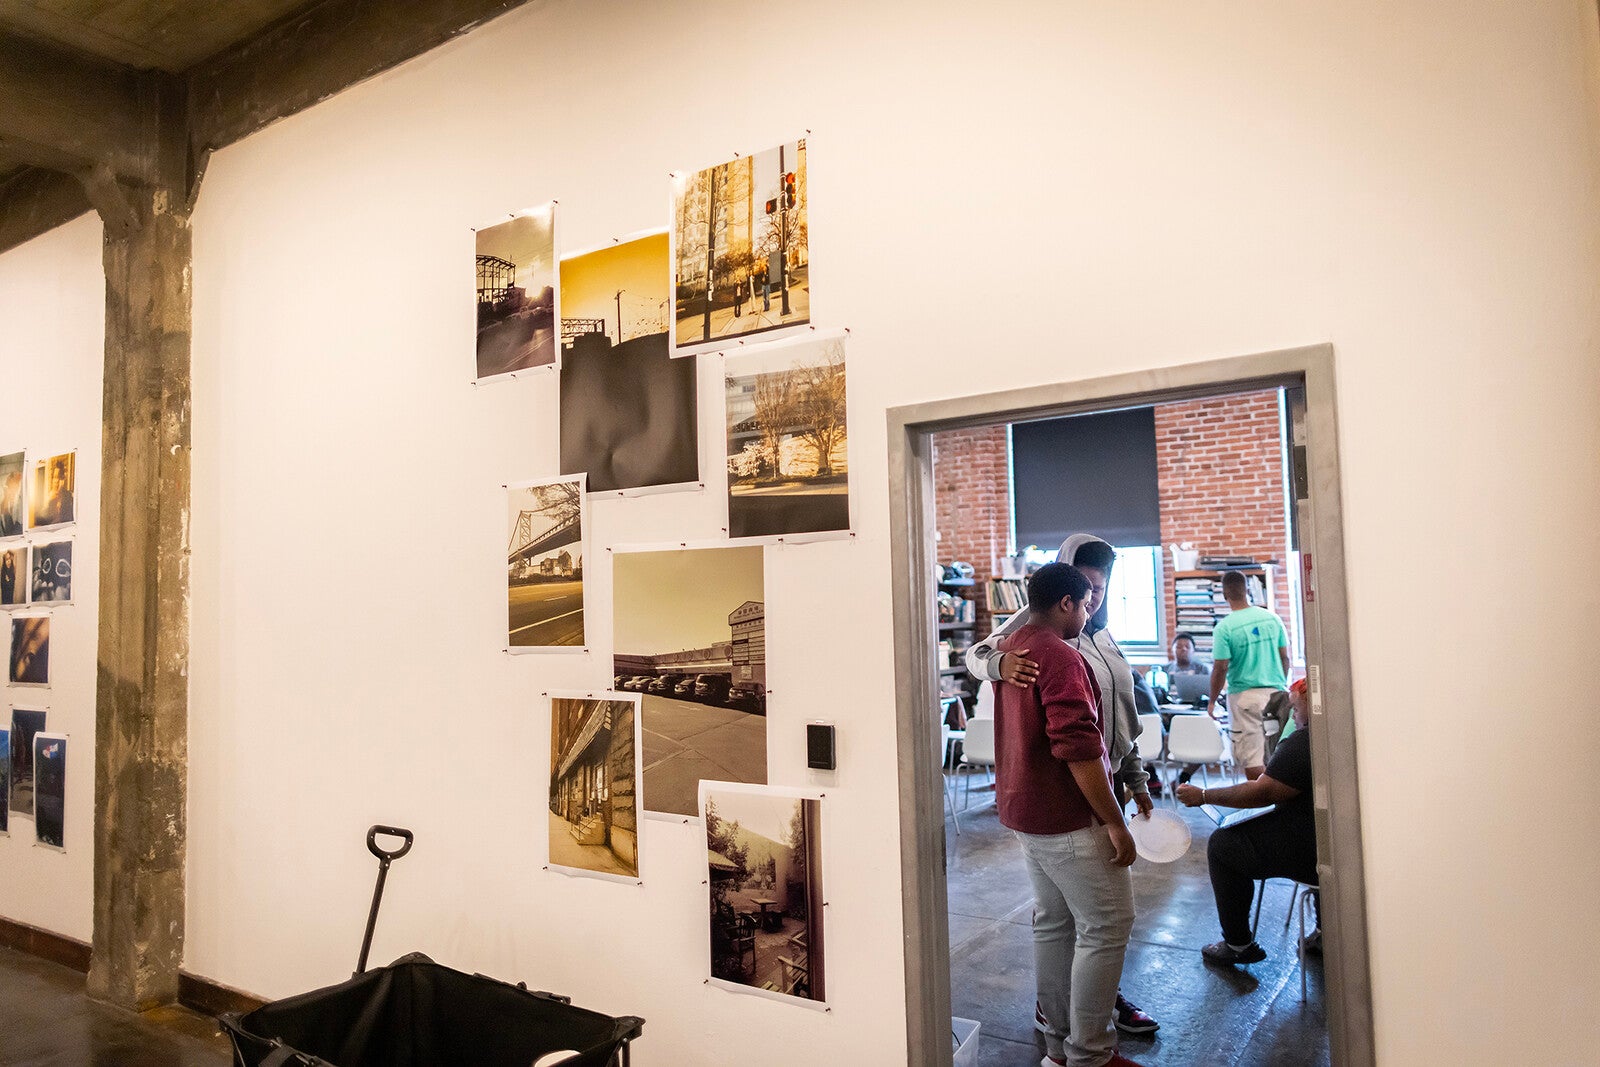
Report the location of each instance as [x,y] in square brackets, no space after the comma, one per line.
[1045,192]
[52,355]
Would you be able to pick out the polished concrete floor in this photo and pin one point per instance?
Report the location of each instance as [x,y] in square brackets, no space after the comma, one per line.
[47,1021]
[1210,1016]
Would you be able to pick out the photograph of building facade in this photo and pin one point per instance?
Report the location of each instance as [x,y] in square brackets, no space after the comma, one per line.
[516,278]
[690,638]
[741,249]
[764,872]
[788,443]
[594,806]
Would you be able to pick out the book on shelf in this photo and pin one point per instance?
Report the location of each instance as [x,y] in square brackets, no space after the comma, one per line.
[1007,595]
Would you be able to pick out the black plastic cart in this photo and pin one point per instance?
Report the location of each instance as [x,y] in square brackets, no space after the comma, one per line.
[417,1013]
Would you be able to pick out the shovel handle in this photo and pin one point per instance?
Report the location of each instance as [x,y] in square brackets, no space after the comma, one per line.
[388,831]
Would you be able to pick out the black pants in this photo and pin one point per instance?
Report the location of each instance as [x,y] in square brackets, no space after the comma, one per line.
[1273,845]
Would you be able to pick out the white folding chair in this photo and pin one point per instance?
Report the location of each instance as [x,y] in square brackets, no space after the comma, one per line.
[1196,739]
[985,706]
[1152,742]
[977,750]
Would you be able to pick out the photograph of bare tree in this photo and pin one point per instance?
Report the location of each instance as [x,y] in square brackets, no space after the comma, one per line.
[764,865]
[544,565]
[628,409]
[594,796]
[741,251]
[788,454]
[517,294]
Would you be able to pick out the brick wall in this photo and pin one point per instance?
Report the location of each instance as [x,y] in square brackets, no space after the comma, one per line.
[972,504]
[1220,471]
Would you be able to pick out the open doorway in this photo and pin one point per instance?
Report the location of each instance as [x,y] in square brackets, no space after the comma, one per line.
[968,916]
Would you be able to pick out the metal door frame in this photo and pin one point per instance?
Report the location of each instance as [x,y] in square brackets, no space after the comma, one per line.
[1336,793]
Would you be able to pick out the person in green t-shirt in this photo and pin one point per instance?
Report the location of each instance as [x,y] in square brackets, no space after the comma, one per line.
[1250,653]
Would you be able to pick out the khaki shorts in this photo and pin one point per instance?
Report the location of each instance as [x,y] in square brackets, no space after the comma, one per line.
[1244,719]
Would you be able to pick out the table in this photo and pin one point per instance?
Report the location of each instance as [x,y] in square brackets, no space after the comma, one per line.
[771,921]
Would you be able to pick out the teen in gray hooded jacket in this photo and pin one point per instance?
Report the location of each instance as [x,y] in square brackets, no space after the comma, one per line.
[1097,646]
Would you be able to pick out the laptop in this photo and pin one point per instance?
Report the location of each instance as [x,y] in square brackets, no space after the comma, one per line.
[1190,688]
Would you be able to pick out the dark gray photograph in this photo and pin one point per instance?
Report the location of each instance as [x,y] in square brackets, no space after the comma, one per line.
[25,723]
[51,567]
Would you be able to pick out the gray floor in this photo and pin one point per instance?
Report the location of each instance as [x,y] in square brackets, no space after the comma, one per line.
[47,1021]
[1209,1016]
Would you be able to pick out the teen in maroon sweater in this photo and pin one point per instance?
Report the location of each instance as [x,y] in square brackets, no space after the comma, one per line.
[1053,790]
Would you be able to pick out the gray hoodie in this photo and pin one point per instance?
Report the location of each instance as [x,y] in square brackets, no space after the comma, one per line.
[1120,718]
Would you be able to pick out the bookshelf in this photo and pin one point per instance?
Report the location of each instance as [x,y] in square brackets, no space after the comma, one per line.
[958,619]
[1200,605]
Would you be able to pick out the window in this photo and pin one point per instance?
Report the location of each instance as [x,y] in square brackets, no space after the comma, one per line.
[1133,599]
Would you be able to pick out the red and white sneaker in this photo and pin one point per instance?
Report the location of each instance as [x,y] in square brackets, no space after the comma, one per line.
[1131,1019]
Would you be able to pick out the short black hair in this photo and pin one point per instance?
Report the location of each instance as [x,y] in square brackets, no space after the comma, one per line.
[1053,582]
[1096,554]
[1233,584]
[1184,635]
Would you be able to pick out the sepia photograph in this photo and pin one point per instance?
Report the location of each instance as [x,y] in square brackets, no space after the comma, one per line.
[689,631]
[52,573]
[628,409]
[13,480]
[594,795]
[30,650]
[25,723]
[517,294]
[764,862]
[544,565]
[741,258]
[50,498]
[50,789]
[5,781]
[788,454]
[14,576]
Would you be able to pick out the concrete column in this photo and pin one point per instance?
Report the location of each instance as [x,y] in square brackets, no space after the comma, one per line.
[142,698]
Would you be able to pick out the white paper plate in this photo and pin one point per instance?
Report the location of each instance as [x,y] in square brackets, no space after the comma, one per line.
[1161,838]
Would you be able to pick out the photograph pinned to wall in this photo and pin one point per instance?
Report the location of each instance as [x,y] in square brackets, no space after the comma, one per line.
[544,566]
[50,789]
[787,440]
[764,873]
[30,650]
[741,253]
[51,499]
[5,782]
[13,576]
[628,409]
[689,633]
[51,568]
[13,494]
[517,309]
[25,724]
[594,785]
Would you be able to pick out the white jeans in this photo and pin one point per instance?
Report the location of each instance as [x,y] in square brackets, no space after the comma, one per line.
[1083,913]
[1244,726]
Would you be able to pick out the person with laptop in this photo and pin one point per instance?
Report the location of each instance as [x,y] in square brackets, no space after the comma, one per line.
[1250,654]
[1184,663]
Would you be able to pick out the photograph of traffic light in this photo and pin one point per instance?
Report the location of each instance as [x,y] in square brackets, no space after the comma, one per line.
[787,446]
[740,254]
[516,271]
[629,411]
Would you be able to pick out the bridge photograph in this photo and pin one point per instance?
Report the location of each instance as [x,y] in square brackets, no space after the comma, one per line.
[544,565]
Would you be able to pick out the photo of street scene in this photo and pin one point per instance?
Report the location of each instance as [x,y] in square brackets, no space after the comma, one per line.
[517,294]
[50,789]
[764,860]
[544,565]
[24,725]
[788,466]
[30,650]
[50,497]
[14,576]
[5,781]
[628,409]
[52,573]
[13,478]
[594,797]
[742,258]
[690,639]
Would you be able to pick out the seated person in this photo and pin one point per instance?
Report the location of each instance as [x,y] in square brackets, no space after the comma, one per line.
[1279,844]
[1184,660]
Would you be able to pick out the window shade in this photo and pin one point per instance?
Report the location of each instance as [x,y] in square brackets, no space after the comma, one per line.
[1087,473]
